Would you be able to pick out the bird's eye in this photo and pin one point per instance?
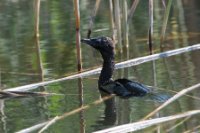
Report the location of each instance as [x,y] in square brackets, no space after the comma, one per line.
[99,41]
[104,40]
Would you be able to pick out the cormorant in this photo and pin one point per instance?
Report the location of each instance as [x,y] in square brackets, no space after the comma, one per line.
[121,87]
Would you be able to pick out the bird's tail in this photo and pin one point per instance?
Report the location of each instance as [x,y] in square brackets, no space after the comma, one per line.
[157,95]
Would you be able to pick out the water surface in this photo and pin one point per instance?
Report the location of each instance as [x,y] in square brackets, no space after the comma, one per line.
[20,65]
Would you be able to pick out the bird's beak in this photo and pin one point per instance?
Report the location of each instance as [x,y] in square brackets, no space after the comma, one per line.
[92,42]
[86,41]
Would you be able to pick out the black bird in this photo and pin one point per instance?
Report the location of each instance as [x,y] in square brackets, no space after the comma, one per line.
[122,87]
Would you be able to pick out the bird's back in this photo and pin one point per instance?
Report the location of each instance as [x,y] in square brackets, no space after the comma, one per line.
[125,88]
[136,88]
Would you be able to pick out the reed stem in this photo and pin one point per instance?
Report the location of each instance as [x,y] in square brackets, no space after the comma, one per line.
[37,17]
[112,19]
[37,39]
[78,47]
[125,24]
[150,41]
[79,59]
[118,23]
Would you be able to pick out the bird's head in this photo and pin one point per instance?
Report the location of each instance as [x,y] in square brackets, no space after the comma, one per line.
[104,45]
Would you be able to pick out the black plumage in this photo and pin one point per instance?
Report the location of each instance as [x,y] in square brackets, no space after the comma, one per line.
[121,87]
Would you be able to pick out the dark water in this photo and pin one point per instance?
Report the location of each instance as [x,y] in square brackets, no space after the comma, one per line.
[19,65]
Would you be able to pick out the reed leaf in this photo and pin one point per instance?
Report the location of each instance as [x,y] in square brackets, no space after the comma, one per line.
[178,124]
[172,99]
[147,123]
[48,123]
[193,130]
[164,26]
[11,94]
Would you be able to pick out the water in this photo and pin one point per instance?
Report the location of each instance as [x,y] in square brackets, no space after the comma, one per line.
[19,65]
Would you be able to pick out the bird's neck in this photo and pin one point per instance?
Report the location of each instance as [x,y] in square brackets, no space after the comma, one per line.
[107,70]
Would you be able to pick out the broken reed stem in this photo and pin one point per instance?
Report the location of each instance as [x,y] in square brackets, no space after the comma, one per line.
[112,20]
[118,23]
[39,59]
[164,5]
[37,34]
[150,33]
[8,94]
[172,99]
[125,25]
[125,64]
[132,10]
[94,12]
[11,94]
[55,119]
[37,17]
